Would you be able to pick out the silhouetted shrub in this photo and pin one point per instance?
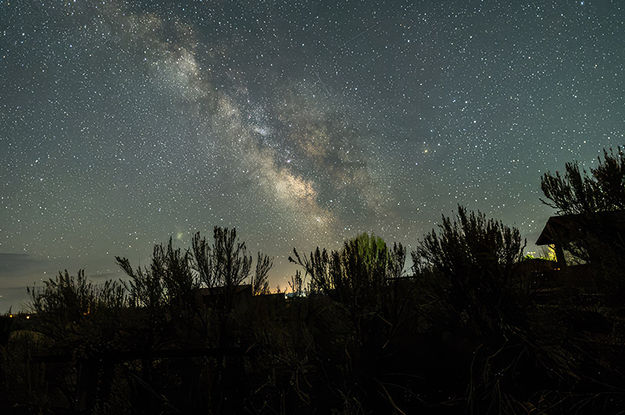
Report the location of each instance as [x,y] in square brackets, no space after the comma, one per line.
[355,332]
[225,262]
[168,280]
[461,335]
[599,235]
[471,265]
[601,189]
[66,299]
[260,279]
[355,274]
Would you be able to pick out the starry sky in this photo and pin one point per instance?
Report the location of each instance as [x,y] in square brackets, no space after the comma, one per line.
[301,123]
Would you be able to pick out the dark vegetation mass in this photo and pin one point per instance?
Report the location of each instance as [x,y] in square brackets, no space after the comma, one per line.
[474,327]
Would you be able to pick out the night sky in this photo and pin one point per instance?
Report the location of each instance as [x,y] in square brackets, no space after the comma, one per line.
[300,123]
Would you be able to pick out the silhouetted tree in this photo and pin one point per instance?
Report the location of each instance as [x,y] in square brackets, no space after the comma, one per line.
[225,263]
[580,191]
[203,261]
[471,263]
[458,337]
[82,320]
[66,299]
[471,269]
[586,193]
[146,284]
[363,314]
[360,269]
[168,280]
[260,279]
[230,257]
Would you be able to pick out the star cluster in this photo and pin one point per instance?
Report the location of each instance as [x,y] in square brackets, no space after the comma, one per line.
[300,123]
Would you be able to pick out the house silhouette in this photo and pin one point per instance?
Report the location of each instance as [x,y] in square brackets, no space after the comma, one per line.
[587,238]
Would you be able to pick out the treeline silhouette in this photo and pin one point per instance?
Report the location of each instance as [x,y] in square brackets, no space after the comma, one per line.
[474,327]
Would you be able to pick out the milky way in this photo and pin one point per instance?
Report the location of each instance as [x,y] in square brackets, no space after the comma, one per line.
[300,123]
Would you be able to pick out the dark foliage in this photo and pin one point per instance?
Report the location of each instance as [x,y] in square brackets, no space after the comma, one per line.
[65,301]
[260,279]
[477,328]
[591,195]
[167,281]
[471,264]
[580,191]
[355,274]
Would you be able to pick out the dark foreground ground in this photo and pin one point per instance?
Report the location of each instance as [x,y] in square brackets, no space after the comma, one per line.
[556,347]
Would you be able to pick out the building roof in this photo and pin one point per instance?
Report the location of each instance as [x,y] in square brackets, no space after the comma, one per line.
[566,228]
